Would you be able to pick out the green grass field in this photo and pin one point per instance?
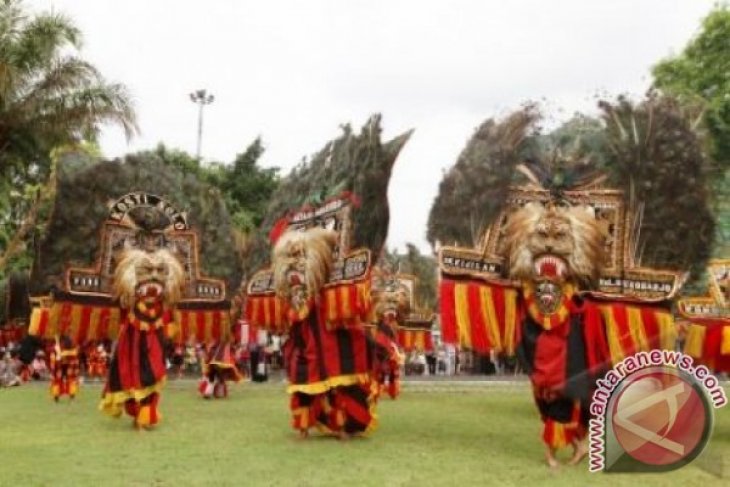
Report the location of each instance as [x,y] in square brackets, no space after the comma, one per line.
[431,436]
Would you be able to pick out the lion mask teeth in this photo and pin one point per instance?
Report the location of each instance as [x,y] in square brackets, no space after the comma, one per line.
[550,266]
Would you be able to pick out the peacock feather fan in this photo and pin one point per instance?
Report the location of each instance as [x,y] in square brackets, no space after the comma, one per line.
[357,163]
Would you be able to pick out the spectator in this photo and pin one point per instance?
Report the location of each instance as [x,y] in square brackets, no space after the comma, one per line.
[431,361]
[191,360]
[39,368]
[178,360]
[8,371]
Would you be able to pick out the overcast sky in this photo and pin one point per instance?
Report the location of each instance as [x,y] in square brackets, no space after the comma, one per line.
[292,71]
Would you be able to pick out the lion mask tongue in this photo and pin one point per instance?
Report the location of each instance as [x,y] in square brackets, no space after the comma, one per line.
[550,267]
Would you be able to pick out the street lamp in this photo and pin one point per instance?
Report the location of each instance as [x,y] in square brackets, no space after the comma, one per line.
[201,98]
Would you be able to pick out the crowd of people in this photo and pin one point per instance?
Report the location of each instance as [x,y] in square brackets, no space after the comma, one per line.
[252,360]
[448,361]
[183,360]
[93,361]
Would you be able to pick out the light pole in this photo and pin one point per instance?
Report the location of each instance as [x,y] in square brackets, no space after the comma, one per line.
[201,98]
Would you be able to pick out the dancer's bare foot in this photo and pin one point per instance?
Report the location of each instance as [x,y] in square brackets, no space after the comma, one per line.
[341,435]
[303,434]
[579,452]
[550,458]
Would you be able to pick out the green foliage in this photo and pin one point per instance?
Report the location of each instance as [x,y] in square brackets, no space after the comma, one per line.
[423,267]
[246,187]
[700,74]
[80,208]
[358,163]
[49,97]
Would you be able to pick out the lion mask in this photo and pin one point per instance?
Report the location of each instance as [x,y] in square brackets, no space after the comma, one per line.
[302,261]
[552,247]
[393,299]
[150,276]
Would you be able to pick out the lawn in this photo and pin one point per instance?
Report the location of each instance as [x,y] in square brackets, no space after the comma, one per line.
[432,435]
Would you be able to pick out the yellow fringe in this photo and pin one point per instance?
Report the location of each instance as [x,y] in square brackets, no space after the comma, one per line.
[489,315]
[695,341]
[112,402]
[614,343]
[725,343]
[636,327]
[372,404]
[667,329]
[326,385]
[463,323]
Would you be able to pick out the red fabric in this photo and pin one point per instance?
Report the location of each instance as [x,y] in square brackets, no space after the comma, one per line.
[216,326]
[184,326]
[448,313]
[134,364]
[131,408]
[331,354]
[320,349]
[551,355]
[278,229]
[352,407]
[713,343]
[648,317]
[624,332]
[428,342]
[498,297]
[103,328]
[200,329]
[43,323]
[84,325]
[479,340]
[126,368]
[597,353]
[156,355]
[65,318]
[129,360]
[354,301]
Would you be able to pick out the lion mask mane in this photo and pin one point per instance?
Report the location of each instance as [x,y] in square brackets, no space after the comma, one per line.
[393,298]
[302,261]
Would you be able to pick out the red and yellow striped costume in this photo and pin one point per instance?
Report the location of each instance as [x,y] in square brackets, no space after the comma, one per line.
[330,377]
[97,366]
[64,370]
[563,353]
[219,368]
[137,370]
[387,356]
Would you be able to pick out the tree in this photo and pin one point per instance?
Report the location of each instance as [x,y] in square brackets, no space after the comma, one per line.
[49,97]
[700,74]
[423,267]
[246,186]
[80,208]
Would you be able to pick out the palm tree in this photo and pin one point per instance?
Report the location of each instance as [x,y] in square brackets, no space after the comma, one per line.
[49,97]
